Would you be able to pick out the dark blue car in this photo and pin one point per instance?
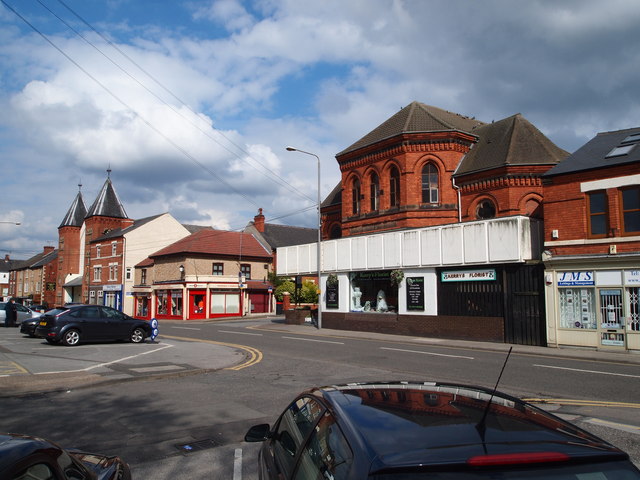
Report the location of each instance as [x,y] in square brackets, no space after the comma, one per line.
[73,324]
[436,431]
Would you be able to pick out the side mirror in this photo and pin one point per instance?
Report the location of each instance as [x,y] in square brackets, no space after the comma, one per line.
[258,433]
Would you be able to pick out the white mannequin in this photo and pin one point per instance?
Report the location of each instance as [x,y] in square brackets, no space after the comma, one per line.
[357,306]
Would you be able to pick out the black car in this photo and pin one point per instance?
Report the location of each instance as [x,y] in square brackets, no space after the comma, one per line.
[23,457]
[79,323]
[28,327]
[411,431]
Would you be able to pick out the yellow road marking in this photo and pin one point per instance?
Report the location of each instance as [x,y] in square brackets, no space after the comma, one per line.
[586,403]
[255,355]
[11,368]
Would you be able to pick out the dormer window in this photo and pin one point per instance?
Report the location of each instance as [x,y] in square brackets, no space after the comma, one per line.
[620,151]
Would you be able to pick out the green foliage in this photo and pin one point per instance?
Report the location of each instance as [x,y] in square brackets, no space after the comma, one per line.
[307,294]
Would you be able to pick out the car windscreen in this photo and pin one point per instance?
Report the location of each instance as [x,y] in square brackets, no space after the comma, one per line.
[600,471]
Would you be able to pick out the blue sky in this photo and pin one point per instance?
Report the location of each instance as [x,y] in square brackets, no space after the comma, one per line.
[191,103]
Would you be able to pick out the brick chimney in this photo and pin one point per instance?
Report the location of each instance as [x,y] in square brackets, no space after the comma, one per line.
[48,250]
[258,221]
[6,257]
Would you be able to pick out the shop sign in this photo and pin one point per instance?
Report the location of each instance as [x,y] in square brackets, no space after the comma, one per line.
[376,275]
[332,297]
[468,276]
[575,279]
[112,288]
[415,293]
[632,277]
[196,285]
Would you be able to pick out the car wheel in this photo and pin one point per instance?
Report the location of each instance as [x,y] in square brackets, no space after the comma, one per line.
[71,338]
[51,341]
[138,335]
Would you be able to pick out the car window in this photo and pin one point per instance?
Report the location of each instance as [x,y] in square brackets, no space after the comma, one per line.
[39,471]
[21,308]
[326,455]
[88,312]
[111,313]
[295,424]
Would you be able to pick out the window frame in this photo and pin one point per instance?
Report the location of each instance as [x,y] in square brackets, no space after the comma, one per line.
[394,187]
[356,192]
[432,187]
[374,191]
[217,268]
[97,273]
[623,211]
[597,215]
[245,270]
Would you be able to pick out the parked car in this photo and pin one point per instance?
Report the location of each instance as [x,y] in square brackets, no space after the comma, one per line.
[22,311]
[39,308]
[407,431]
[80,323]
[28,326]
[23,457]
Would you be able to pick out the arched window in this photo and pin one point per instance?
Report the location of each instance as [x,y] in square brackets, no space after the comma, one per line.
[485,210]
[355,197]
[430,184]
[335,231]
[374,189]
[394,187]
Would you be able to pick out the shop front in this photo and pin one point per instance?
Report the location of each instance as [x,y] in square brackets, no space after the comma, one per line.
[594,307]
[142,305]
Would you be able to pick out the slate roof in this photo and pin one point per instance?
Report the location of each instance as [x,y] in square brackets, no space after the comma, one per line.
[51,256]
[38,260]
[334,198]
[417,118]
[285,235]
[511,141]
[596,152]
[75,215]
[107,204]
[216,242]
[119,232]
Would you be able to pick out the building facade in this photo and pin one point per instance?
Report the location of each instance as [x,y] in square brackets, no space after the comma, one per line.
[592,254]
[435,229]
[209,274]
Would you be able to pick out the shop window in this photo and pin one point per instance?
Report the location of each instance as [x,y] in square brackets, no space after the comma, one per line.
[373,292]
[394,187]
[374,191]
[611,308]
[225,303]
[577,308]
[217,269]
[430,184]
[176,302]
[355,197]
[598,215]
[142,306]
[631,210]
[245,271]
[161,303]
[633,307]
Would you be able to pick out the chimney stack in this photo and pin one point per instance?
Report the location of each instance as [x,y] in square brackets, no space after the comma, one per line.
[258,221]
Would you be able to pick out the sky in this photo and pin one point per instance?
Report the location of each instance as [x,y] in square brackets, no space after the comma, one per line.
[190,104]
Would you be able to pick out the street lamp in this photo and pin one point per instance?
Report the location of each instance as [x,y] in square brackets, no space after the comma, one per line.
[293,149]
[12,223]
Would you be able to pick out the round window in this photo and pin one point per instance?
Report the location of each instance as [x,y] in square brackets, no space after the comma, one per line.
[486,209]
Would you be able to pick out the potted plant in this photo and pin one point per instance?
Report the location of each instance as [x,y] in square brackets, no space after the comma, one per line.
[332,280]
[396,277]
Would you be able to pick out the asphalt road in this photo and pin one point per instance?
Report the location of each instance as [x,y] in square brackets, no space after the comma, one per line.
[180,408]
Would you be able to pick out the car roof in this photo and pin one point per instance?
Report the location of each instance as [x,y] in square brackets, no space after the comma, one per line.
[403,424]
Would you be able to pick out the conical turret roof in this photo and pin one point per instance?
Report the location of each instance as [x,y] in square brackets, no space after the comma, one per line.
[75,215]
[107,204]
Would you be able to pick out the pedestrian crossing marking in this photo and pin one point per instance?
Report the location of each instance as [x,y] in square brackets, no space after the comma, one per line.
[11,368]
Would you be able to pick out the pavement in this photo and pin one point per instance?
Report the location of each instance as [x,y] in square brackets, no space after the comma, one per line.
[32,366]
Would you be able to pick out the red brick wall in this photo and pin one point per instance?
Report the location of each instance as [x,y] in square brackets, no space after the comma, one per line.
[68,258]
[485,329]
[566,210]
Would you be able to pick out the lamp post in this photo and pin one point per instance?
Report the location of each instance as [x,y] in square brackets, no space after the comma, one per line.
[12,223]
[319,261]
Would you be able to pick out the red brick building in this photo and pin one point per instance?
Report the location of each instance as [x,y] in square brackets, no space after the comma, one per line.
[592,244]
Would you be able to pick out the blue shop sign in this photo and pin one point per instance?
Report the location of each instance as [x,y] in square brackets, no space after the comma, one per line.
[576,279]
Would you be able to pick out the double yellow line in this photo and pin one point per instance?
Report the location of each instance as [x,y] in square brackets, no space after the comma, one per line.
[254,355]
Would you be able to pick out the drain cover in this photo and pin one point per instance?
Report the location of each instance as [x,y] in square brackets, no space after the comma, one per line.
[197,445]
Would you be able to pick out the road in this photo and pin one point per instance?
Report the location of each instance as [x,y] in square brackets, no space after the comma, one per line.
[180,425]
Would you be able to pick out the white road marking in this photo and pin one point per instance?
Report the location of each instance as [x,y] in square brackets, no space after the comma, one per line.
[185,328]
[241,333]
[588,371]
[313,340]
[426,353]
[107,363]
[237,464]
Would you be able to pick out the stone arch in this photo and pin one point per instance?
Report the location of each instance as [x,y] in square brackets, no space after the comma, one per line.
[483,207]
[531,205]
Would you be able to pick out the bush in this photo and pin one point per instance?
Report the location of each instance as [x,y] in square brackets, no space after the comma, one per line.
[307,294]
